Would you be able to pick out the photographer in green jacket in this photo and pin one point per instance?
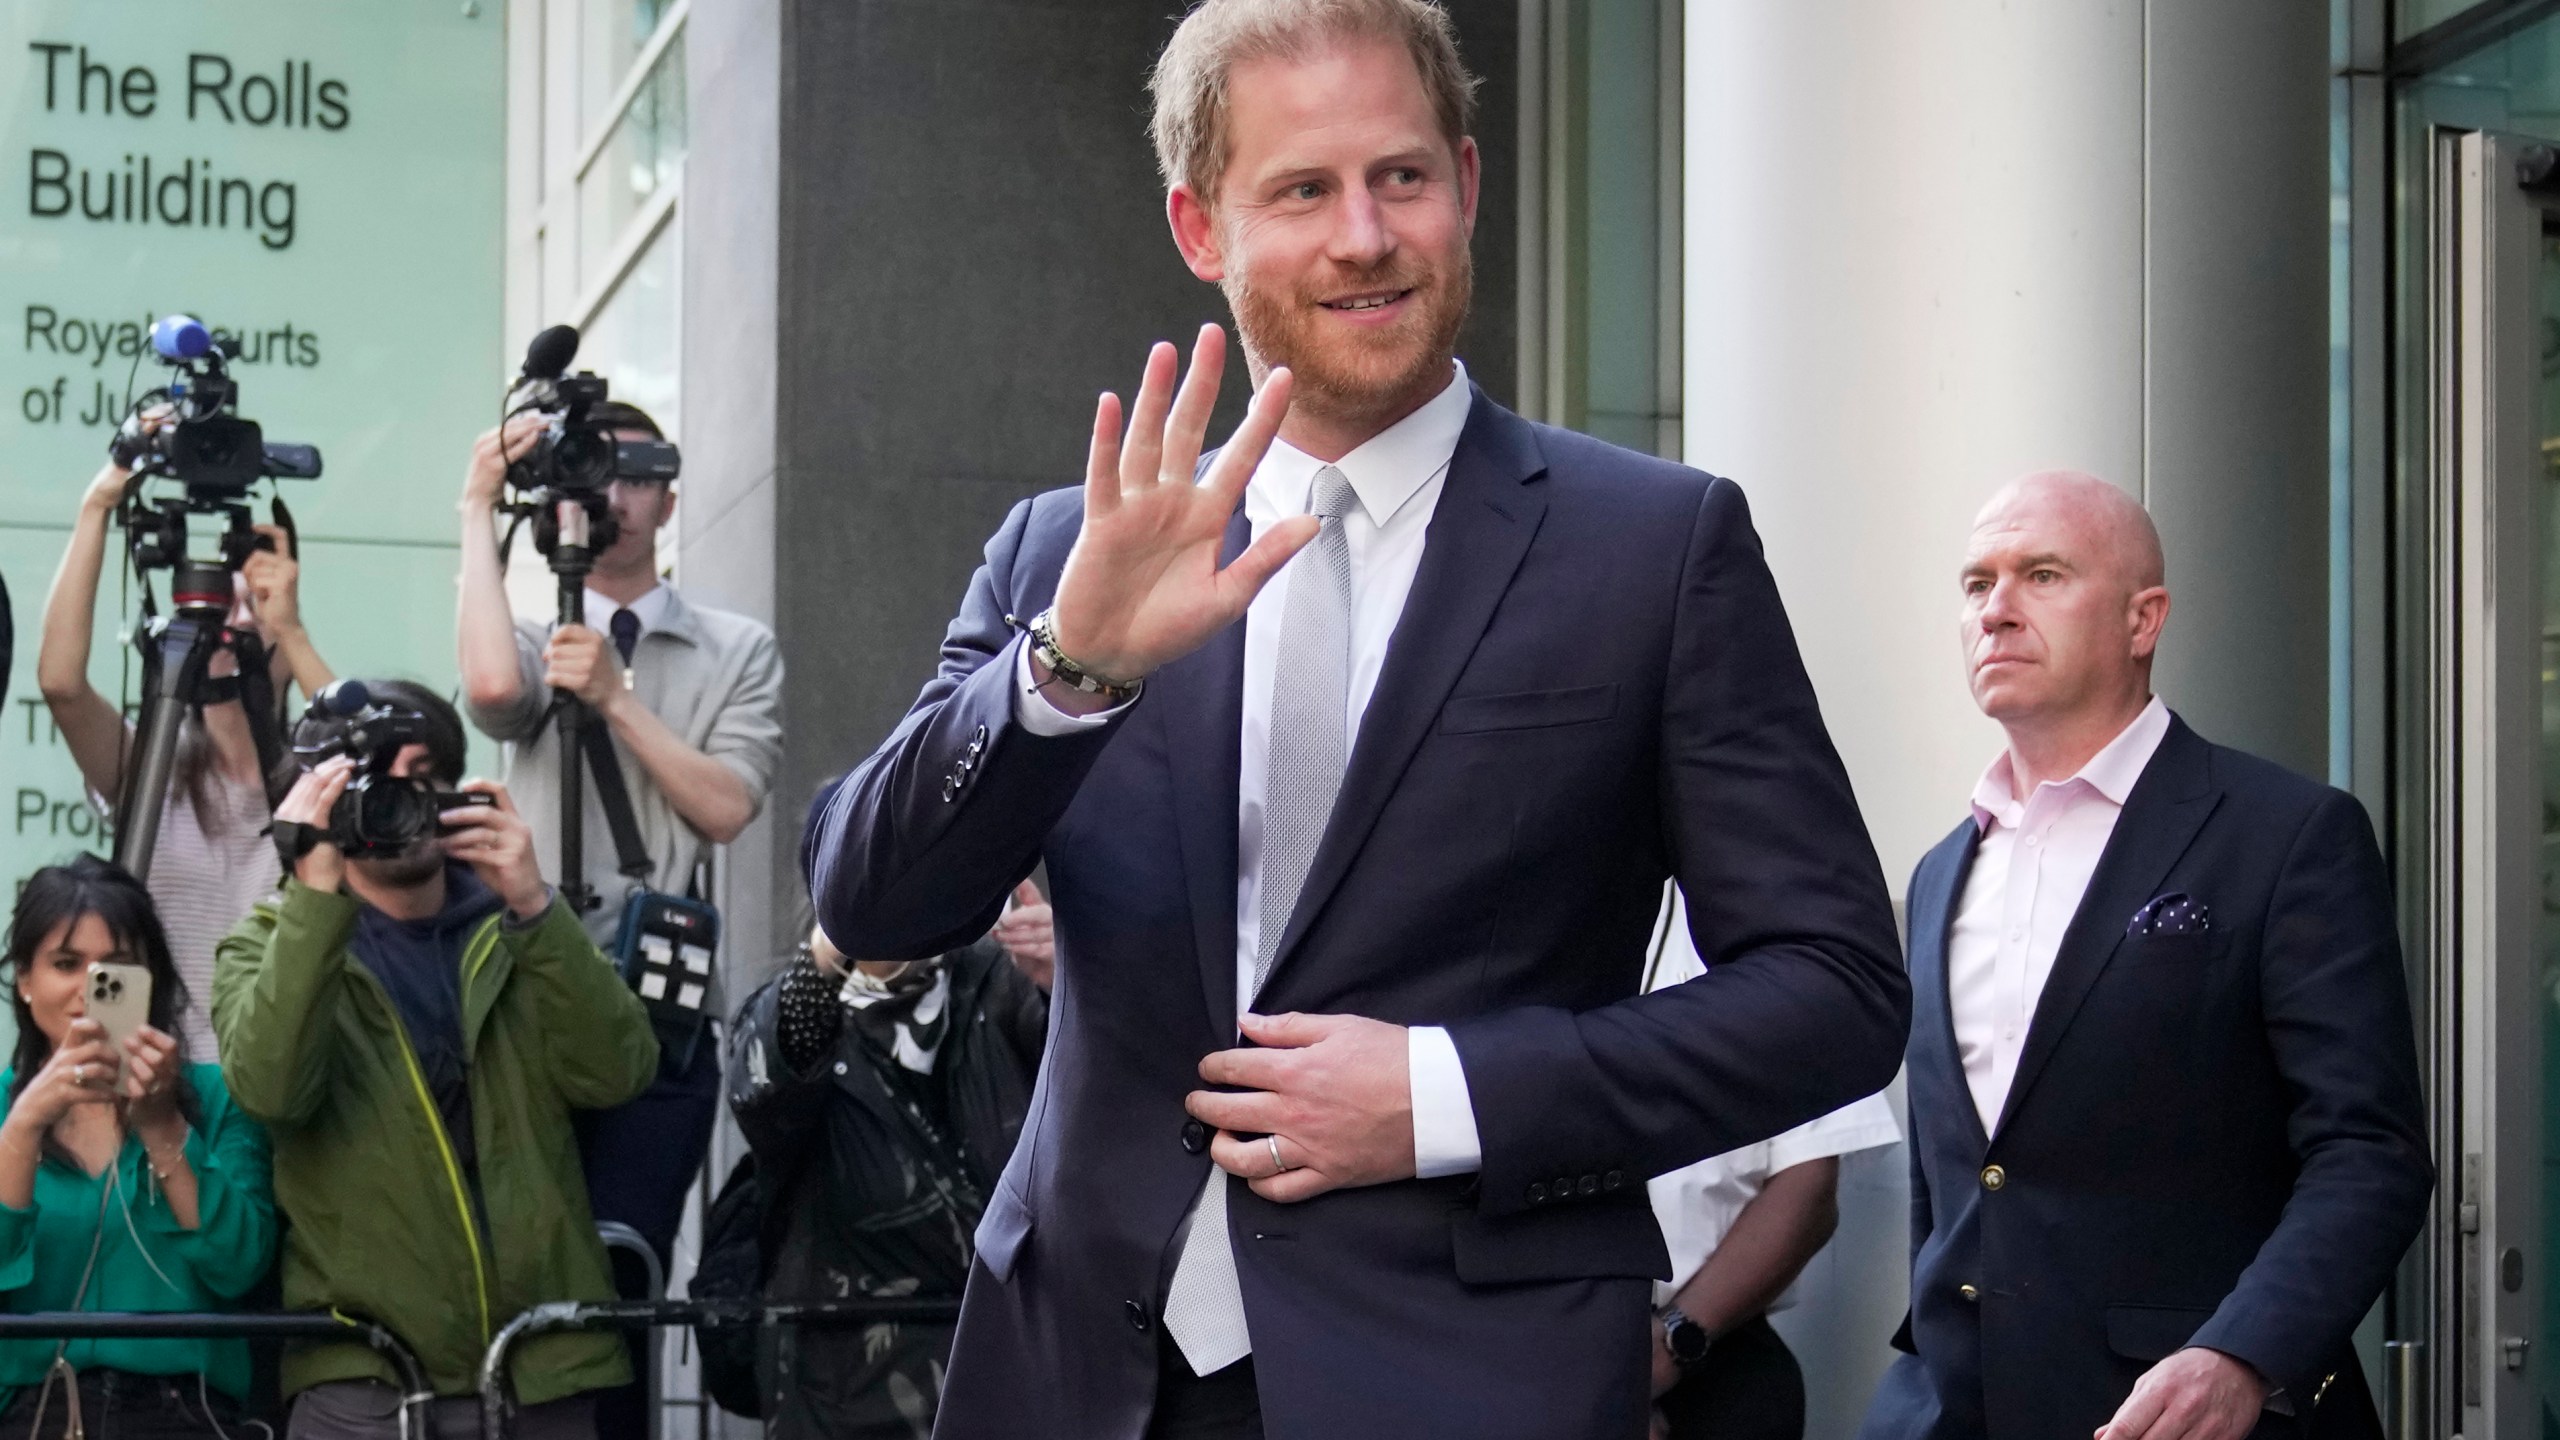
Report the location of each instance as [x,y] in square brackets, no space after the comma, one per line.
[415,1028]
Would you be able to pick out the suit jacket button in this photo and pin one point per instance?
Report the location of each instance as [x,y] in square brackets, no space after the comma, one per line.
[1195,1136]
[1137,1316]
[1562,1189]
[1969,1293]
[1590,1185]
[1613,1180]
[1993,1177]
[1537,1192]
[980,738]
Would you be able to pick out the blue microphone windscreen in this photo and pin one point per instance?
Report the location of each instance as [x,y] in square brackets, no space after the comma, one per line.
[181,337]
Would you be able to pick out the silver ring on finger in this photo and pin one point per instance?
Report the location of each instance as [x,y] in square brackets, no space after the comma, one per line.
[80,1073]
[1278,1165]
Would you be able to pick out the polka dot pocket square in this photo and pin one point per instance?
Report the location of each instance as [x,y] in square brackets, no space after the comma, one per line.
[2172,914]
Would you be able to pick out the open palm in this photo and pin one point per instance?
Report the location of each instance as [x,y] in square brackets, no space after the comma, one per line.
[1143,586]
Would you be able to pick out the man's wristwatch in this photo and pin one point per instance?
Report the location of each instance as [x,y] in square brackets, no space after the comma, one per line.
[1686,1339]
[1044,648]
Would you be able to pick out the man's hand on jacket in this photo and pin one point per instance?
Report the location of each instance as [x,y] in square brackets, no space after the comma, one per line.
[1332,1096]
[2196,1394]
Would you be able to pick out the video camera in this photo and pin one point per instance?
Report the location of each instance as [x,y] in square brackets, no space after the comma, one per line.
[190,431]
[379,813]
[206,446]
[577,454]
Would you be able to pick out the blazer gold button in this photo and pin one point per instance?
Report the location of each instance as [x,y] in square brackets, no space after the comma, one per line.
[1993,1177]
[1968,1292]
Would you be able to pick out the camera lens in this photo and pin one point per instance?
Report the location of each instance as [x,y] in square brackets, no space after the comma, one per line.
[389,813]
[583,459]
[219,452]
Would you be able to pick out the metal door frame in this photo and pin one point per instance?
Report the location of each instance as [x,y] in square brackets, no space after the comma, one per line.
[2485,789]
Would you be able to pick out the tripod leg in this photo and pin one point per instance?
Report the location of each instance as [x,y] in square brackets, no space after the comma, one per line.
[183,645]
[573,751]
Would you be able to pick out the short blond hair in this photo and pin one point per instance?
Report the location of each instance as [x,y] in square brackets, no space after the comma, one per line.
[1190,78]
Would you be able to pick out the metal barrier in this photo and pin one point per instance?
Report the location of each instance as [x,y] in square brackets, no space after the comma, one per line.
[497,1407]
[181,1325]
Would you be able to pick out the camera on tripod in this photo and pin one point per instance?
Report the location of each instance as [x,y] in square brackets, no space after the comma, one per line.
[576,456]
[379,813]
[190,431]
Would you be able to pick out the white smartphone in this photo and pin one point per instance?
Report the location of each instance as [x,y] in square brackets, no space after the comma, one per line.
[119,1000]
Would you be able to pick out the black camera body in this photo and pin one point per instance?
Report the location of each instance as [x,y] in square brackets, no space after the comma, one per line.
[379,813]
[204,444]
[576,456]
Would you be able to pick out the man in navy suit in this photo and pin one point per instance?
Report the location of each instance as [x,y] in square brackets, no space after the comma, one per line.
[1406,825]
[2166,1132]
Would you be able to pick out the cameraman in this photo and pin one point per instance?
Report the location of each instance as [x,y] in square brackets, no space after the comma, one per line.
[689,695]
[415,1029]
[212,861]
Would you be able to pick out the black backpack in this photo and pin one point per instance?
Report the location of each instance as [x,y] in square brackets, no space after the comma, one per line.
[732,1269]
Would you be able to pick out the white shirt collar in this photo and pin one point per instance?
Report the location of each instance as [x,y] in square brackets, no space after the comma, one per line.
[651,608]
[2111,772]
[1387,469]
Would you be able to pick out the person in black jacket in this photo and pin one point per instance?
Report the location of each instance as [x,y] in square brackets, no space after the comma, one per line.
[881,1100]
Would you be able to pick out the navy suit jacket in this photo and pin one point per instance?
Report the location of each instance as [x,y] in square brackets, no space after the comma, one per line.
[1592,686]
[2214,1138]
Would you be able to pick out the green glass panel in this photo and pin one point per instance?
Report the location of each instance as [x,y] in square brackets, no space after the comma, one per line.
[2415,17]
[325,183]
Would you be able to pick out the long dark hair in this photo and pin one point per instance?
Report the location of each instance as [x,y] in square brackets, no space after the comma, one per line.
[58,895]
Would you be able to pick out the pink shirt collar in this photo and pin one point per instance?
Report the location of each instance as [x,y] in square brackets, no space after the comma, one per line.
[2111,772]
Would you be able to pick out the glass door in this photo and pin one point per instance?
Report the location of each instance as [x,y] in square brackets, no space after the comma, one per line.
[2493,558]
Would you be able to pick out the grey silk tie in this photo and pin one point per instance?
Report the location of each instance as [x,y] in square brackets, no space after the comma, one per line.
[1310,691]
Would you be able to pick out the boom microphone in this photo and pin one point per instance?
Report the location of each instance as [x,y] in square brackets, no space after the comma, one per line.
[548,357]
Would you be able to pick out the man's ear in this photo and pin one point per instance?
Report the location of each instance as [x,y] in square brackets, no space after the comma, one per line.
[2150,615]
[1195,232]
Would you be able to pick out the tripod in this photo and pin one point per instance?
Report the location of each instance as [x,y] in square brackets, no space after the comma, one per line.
[571,528]
[177,655]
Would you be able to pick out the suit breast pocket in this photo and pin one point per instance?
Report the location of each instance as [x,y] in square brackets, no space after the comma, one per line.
[1528,709]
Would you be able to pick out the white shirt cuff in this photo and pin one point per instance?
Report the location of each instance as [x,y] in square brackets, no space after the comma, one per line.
[1444,1115]
[1034,712]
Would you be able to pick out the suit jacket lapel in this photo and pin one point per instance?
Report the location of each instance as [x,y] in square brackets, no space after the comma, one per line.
[1199,700]
[2168,806]
[1482,526]
[1935,891]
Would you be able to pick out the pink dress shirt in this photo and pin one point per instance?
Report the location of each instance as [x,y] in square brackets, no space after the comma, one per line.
[2033,865]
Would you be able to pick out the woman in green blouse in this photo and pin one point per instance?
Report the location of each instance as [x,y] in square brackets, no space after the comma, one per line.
[128,1181]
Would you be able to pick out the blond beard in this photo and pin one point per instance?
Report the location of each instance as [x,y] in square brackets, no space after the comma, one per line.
[1358,378]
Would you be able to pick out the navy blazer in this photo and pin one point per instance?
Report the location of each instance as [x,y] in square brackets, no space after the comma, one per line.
[1592,686]
[2215,1137]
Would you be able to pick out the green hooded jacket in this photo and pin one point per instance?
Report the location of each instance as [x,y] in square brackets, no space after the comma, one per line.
[383,1221]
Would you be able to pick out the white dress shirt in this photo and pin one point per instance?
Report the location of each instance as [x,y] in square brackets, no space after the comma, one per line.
[651,609]
[2030,869]
[1696,1205]
[1397,475]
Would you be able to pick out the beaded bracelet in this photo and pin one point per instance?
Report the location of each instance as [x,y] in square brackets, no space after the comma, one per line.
[153,1161]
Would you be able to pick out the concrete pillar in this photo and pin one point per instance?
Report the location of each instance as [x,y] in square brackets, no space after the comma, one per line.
[1930,248]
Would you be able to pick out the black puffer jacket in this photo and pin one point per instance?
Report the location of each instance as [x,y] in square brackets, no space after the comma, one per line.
[873,1179]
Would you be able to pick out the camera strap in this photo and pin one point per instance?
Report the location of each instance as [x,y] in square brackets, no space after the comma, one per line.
[256,683]
[615,795]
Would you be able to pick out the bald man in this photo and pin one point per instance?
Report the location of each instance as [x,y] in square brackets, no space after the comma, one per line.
[2166,1133]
